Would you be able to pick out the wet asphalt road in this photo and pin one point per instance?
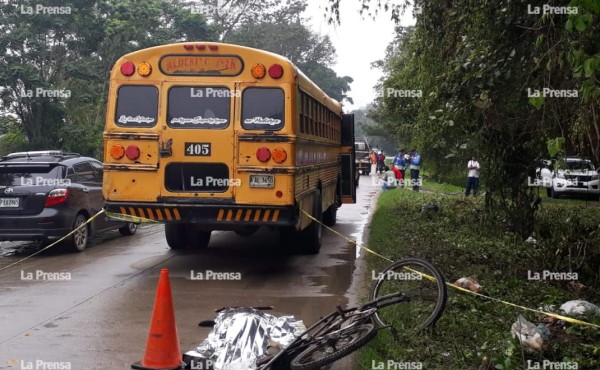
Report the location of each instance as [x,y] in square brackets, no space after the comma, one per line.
[99,318]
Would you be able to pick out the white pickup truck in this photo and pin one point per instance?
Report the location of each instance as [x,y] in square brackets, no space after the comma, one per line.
[571,176]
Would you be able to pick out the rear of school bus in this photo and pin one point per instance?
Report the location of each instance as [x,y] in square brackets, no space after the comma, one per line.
[200,136]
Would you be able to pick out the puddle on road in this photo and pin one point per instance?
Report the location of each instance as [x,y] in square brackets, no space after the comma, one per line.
[9,249]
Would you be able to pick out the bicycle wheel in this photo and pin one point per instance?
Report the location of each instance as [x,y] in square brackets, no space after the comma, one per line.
[333,348]
[425,288]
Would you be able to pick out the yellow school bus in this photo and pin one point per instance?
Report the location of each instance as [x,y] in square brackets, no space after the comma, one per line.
[207,136]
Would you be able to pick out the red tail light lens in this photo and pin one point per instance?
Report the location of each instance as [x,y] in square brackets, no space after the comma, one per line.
[263,154]
[56,196]
[276,71]
[213,47]
[188,47]
[127,69]
[132,152]
[201,47]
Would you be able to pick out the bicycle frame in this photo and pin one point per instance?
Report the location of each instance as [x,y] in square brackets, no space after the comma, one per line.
[330,326]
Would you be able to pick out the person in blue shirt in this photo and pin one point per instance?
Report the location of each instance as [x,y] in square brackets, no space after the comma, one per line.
[400,163]
[415,168]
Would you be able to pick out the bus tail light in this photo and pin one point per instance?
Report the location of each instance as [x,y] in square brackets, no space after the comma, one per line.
[56,196]
[188,47]
[117,151]
[144,69]
[278,193]
[201,47]
[127,69]
[279,155]
[213,47]
[276,71]
[132,152]
[259,71]
[263,154]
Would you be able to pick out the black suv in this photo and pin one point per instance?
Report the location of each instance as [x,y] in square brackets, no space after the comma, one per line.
[44,195]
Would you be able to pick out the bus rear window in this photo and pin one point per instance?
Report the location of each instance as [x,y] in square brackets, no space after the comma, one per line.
[263,108]
[199,107]
[137,106]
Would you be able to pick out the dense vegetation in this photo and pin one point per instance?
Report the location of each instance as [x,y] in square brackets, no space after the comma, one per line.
[71,54]
[462,240]
[476,67]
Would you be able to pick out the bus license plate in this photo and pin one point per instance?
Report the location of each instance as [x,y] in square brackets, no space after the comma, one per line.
[9,202]
[262,181]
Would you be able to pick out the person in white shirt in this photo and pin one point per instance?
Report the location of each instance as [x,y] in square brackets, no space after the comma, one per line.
[472,177]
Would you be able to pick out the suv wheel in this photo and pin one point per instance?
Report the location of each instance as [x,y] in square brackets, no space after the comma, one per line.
[129,229]
[77,242]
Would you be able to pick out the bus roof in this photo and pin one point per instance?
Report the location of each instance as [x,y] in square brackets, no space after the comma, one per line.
[223,55]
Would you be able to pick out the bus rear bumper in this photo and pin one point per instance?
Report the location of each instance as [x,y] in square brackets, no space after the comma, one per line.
[218,217]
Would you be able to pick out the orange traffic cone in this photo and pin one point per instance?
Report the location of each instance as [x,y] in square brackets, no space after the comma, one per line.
[162,347]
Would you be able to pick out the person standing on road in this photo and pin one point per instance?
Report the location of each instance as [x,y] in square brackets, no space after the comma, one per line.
[400,163]
[415,168]
[373,161]
[380,162]
[472,177]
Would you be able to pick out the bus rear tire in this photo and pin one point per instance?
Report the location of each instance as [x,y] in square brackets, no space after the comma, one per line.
[330,215]
[311,237]
[176,236]
[197,239]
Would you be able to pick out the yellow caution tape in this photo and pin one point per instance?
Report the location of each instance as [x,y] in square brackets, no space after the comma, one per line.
[134,219]
[431,278]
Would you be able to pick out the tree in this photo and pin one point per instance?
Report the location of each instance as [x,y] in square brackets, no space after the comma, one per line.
[477,68]
[312,53]
[228,15]
[54,67]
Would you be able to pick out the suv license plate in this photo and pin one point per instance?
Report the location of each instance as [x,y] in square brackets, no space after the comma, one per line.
[9,202]
[262,181]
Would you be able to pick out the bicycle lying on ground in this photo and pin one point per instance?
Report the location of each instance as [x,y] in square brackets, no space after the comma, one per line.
[408,295]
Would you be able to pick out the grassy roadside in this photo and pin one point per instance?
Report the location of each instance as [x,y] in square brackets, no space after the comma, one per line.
[461,241]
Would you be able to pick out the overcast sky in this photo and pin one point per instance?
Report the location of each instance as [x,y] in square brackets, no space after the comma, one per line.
[358,41]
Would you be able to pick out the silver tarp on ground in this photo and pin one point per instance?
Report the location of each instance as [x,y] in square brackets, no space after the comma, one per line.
[241,335]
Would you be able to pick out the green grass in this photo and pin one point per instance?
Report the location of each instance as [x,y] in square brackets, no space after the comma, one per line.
[444,188]
[460,240]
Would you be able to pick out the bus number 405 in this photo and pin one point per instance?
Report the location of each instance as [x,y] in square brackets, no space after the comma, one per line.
[197,149]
